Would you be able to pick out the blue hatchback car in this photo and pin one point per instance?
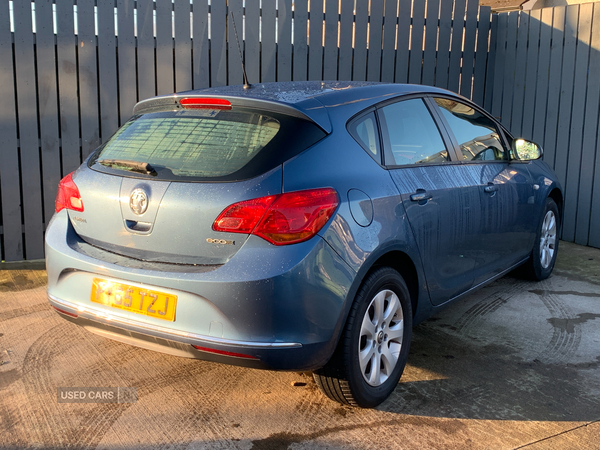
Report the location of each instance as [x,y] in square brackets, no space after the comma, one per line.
[299,226]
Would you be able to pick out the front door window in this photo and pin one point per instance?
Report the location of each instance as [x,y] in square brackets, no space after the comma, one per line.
[478,137]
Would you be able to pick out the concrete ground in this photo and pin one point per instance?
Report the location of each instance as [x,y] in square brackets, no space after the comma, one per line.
[515,365]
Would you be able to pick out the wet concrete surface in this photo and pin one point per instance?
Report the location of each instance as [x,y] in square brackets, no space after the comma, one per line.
[515,365]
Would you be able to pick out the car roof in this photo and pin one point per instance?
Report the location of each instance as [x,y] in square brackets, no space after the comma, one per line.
[315,100]
[295,92]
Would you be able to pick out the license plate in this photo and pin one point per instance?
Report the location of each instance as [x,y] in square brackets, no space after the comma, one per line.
[137,300]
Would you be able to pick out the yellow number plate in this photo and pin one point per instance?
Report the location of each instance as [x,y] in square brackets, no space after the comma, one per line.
[134,299]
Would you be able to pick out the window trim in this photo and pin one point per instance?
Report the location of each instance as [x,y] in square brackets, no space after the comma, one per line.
[383,131]
[456,146]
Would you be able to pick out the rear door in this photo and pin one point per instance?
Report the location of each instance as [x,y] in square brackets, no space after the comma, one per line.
[443,216]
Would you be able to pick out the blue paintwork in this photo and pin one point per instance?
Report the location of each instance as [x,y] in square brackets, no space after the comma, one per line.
[238,295]
[246,296]
[181,215]
[466,233]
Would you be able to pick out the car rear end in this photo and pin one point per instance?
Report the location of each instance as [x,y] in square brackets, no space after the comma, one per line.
[175,236]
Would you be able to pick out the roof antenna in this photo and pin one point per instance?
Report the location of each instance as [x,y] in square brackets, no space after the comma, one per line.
[246,84]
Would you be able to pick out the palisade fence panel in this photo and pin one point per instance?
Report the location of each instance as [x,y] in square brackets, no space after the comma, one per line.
[544,85]
[72,70]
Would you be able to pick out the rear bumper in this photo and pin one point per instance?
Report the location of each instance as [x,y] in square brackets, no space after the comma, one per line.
[269,307]
[173,342]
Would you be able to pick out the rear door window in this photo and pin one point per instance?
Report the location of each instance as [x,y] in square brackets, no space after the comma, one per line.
[410,134]
[206,144]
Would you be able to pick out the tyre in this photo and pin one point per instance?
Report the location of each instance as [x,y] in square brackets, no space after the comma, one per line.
[373,349]
[543,256]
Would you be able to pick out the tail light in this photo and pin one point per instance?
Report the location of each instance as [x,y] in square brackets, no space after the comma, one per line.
[281,219]
[68,195]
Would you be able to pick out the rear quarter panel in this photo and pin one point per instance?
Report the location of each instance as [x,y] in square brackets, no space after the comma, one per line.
[339,162]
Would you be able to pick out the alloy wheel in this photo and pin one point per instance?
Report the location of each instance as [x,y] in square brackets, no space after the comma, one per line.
[381,337]
[548,239]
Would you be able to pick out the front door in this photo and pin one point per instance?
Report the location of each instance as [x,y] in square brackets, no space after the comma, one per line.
[506,189]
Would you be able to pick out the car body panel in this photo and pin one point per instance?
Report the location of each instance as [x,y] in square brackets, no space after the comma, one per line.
[466,234]
[355,170]
[544,182]
[310,278]
[507,228]
[179,216]
[443,226]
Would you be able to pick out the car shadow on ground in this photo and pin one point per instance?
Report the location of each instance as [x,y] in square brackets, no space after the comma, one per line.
[516,350]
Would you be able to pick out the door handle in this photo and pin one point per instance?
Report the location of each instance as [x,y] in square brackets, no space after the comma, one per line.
[420,196]
[491,188]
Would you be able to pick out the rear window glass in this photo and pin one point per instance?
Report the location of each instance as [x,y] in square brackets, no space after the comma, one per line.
[204,144]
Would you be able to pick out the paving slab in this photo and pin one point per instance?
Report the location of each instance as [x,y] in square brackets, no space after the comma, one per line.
[514,365]
[584,437]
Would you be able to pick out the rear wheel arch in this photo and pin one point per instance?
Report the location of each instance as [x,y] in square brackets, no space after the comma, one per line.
[372,352]
[404,265]
[392,256]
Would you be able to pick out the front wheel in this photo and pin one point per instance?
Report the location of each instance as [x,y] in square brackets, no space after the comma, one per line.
[373,349]
[543,256]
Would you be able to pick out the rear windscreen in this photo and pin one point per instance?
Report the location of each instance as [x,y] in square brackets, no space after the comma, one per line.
[206,144]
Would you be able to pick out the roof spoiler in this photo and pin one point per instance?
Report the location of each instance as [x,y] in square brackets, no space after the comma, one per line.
[319,114]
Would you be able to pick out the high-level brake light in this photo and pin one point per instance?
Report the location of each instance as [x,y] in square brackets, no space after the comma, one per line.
[205,103]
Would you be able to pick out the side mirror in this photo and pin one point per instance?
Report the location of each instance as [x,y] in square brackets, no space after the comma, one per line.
[525,150]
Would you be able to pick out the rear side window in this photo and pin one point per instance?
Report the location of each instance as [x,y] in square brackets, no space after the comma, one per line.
[364,131]
[477,135]
[411,135]
[206,144]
